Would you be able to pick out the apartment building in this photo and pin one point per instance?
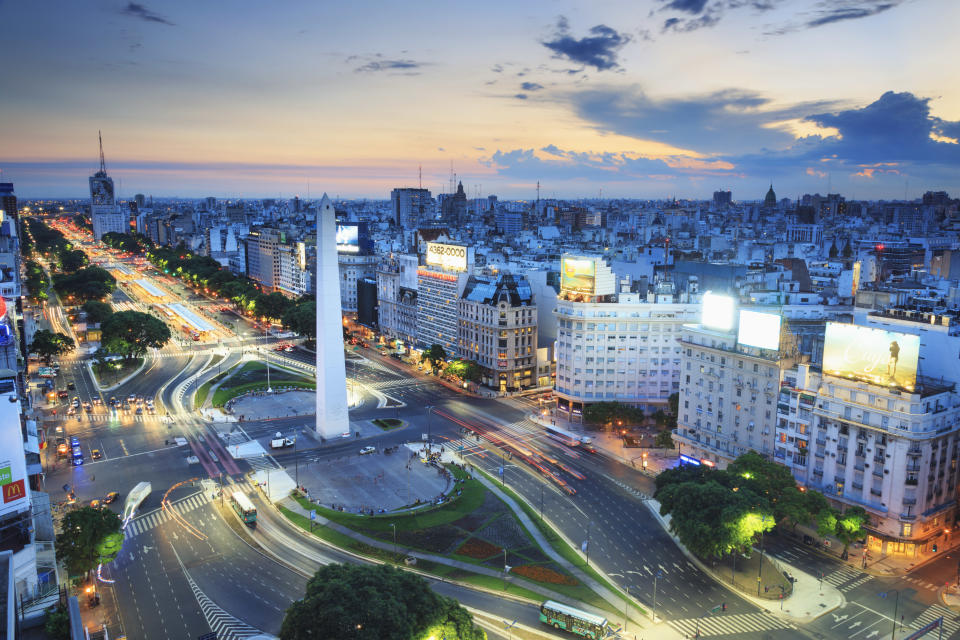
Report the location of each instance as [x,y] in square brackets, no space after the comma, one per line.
[498,330]
[397,298]
[440,283]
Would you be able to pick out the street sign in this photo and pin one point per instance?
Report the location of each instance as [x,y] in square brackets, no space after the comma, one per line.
[583,547]
[313,514]
[66,488]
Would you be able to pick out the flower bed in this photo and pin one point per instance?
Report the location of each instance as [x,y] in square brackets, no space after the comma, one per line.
[479,549]
[538,573]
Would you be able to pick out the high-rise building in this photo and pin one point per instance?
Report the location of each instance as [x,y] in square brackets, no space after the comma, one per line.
[397,298]
[454,208]
[411,207]
[498,330]
[8,199]
[105,215]
[440,282]
[263,257]
[722,199]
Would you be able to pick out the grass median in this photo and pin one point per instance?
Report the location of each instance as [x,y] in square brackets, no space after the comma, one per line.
[252,376]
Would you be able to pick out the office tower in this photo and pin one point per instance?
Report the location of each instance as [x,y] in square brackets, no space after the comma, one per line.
[440,281]
[332,416]
[8,200]
[722,199]
[104,213]
[411,207]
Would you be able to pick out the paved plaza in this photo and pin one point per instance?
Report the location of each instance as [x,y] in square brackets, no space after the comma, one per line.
[279,404]
[374,481]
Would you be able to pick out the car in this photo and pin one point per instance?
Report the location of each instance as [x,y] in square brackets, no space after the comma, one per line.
[113,401]
[367,450]
[288,348]
[96,504]
[111,497]
[71,498]
[63,394]
[71,386]
[87,406]
[75,402]
[139,411]
[151,409]
[96,454]
[74,441]
[71,411]
[132,398]
[126,407]
[97,401]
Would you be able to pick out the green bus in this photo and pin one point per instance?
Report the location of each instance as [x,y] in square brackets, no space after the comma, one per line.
[573,620]
[244,508]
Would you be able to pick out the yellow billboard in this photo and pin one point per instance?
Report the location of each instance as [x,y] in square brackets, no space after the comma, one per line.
[876,356]
[452,257]
[578,275]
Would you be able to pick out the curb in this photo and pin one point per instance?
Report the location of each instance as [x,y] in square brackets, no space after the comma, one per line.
[101,389]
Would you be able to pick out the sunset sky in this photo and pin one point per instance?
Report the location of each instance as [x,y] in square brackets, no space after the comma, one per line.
[646,99]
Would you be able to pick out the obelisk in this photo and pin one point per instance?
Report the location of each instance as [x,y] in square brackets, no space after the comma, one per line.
[332,417]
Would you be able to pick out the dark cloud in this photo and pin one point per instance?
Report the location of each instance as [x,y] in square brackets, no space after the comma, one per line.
[730,121]
[520,96]
[531,86]
[497,68]
[136,10]
[839,11]
[571,165]
[698,14]
[408,67]
[599,49]
[687,6]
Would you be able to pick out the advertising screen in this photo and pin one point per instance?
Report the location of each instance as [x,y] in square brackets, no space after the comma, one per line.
[717,312]
[578,275]
[13,470]
[877,356]
[348,238]
[452,257]
[759,329]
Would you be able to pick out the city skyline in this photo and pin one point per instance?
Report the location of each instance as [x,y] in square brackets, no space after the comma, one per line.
[667,98]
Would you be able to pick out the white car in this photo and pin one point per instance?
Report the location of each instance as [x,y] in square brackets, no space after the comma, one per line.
[367,450]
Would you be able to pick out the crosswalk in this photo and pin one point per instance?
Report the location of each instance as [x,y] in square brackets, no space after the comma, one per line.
[923,584]
[263,463]
[950,624]
[103,417]
[156,518]
[729,625]
[846,579]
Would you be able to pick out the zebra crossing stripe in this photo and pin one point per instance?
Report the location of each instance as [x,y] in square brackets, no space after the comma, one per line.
[155,518]
[729,625]
[950,625]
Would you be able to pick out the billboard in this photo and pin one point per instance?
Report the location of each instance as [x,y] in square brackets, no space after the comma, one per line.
[876,356]
[13,469]
[759,329]
[717,311]
[452,257]
[348,238]
[578,275]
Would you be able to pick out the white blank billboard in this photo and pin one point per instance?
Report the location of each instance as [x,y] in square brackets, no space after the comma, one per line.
[759,329]
[717,311]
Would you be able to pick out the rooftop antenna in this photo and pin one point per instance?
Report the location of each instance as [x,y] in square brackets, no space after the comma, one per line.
[103,163]
[420,174]
[308,189]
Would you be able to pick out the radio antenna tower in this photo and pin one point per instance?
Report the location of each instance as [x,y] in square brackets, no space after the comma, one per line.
[103,162]
[420,174]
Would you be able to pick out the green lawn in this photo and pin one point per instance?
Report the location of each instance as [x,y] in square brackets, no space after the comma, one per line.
[115,371]
[388,423]
[252,376]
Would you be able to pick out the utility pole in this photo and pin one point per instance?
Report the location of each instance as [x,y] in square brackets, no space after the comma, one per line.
[655,578]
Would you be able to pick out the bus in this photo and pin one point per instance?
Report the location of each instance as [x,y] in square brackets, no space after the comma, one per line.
[566,437]
[573,620]
[244,508]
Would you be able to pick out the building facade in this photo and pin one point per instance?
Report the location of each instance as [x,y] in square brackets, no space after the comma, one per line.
[498,330]
[625,350]
[411,207]
[263,257]
[397,298]
[890,451]
[353,267]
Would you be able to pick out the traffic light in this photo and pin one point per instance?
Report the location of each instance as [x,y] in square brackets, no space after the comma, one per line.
[724,606]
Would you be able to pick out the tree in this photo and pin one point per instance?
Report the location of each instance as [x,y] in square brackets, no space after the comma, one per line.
[302,319]
[73,260]
[664,439]
[47,344]
[82,533]
[465,370]
[611,413]
[131,333]
[763,477]
[57,626]
[436,355]
[826,523]
[89,283]
[271,305]
[710,519]
[850,527]
[363,602]
[97,312]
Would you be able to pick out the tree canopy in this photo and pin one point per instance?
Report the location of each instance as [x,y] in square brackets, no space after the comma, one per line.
[301,318]
[36,280]
[271,305]
[82,533]
[364,602]
[72,260]
[47,344]
[436,354]
[611,414]
[97,312]
[716,512]
[465,370]
[89,283]
[131,333]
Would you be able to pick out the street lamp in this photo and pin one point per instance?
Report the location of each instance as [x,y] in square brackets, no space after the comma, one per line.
[760,568]
[896,607]
[394,526]
[429,415]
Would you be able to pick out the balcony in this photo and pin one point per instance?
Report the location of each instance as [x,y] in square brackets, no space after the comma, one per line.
[911,482]
[907,516]
[909,501]
[915,468]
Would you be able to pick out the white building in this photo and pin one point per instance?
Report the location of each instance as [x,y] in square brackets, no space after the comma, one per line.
[105,215]
[626,350]
[440,283]
[397,297]
[354,266]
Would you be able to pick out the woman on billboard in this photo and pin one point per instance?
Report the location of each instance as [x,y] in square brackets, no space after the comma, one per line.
[894,357]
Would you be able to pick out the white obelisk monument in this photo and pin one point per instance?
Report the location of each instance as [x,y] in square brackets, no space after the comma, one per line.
[332,416]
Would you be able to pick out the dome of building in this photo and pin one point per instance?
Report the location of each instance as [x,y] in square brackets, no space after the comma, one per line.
[771,198]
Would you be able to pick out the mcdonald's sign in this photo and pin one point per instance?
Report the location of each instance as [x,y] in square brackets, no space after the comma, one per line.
[14,491]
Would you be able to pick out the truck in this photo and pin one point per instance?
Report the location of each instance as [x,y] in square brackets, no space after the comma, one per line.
[281,443]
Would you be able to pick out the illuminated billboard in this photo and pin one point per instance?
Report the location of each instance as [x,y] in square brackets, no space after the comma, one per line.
[452,257]
[876,356]
[348,238]
[13,470]
[759,329]
[578,275]
[717,311]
